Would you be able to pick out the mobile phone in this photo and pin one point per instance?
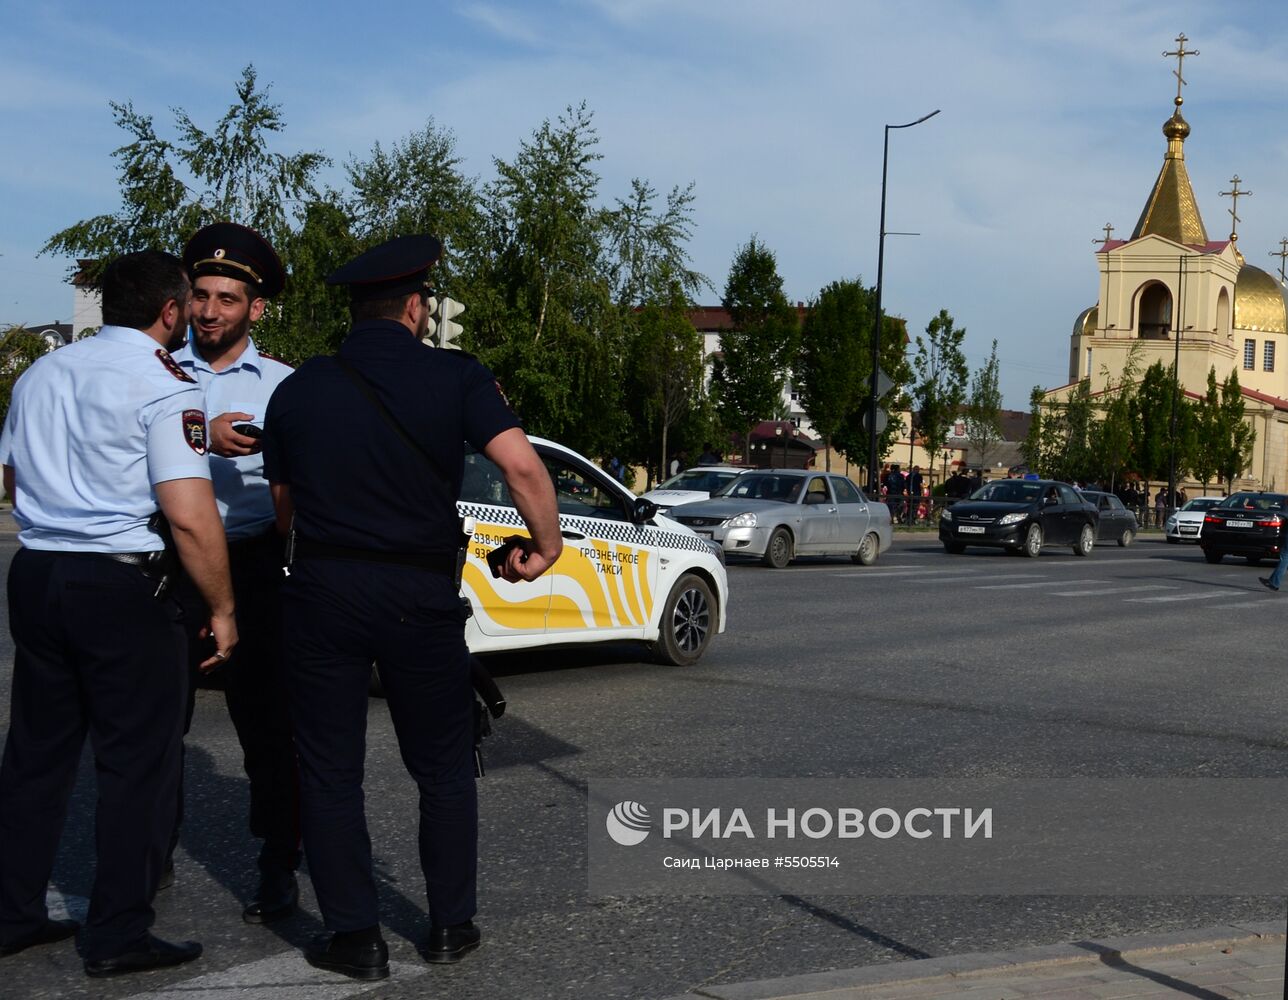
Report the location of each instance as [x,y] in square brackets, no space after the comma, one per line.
[249,430]
[496,559]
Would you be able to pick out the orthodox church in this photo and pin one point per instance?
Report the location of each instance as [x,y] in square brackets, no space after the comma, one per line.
[1174,295]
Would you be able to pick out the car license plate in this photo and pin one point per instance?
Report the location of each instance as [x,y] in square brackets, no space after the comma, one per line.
[1238,524]
[1193,530]
[701,534]
[970,529]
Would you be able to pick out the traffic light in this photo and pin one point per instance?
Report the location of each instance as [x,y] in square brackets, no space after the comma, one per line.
[441,315]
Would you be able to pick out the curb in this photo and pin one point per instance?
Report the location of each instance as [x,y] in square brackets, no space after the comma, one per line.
[1018,960]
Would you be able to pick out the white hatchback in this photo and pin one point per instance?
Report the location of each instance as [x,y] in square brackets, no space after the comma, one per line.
[1186,524]
[692,485]
[627,571]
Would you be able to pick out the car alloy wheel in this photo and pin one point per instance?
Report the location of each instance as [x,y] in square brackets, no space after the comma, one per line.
[1033,541]
[778,553]
[687,622]
[1086,541]
[1127,537]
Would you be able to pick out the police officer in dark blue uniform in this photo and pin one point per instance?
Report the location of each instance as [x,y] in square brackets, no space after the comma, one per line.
[99,435]
[365,451]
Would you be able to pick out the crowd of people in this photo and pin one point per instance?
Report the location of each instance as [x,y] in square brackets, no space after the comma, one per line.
[159,498]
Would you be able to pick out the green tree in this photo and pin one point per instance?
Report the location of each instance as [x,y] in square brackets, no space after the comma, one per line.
[1037,445]
[1209,432]
[941,376]
[664,377]
[1113,444]
[170,188]
[1238,437]
[18,349]
[834,362]
[417,186]
[984,409]
[543,316]
[761,347]
[852,437]
[1152,416]
[647,252]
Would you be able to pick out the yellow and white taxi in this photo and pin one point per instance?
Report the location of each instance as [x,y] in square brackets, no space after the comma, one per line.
[627,572]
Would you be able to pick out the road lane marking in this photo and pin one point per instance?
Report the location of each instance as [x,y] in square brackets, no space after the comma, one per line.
[930,575]
[1038,583]
[1205,596]
[1110,590]
[282,975]
[1231,607]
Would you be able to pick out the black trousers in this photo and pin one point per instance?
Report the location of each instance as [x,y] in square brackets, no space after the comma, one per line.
[338,617]
[255,693]
[95,654]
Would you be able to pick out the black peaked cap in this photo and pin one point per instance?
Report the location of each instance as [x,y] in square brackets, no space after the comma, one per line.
[230,250]
[398,267]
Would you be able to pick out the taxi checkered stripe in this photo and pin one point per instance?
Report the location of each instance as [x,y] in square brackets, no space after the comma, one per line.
[601,530]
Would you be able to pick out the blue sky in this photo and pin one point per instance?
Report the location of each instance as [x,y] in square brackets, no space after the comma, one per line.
[1050,126]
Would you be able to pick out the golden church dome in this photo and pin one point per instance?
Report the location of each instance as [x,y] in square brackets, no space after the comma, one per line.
[1086,322]
[1176,127]
[1259,302]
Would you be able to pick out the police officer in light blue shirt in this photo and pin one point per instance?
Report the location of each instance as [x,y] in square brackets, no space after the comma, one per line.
[234,272]
[99,435]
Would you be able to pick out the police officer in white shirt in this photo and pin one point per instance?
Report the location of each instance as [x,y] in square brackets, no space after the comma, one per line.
[100,434]
[234,272]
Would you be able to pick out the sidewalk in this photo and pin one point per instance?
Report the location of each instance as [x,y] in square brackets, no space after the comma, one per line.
[1245,960]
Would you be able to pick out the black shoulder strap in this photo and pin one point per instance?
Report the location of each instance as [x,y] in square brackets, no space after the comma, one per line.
[366,388]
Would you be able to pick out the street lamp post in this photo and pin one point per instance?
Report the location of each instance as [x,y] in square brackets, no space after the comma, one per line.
[1178,314]
[778,433]
[876,327]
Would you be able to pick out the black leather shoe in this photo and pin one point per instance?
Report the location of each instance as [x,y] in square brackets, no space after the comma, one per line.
[449,944]
[47,933]
[1265,582]
[150,953]
[275,899]
[355,955]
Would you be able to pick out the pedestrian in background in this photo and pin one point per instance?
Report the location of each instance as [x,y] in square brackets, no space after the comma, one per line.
[364,450]
[100,434]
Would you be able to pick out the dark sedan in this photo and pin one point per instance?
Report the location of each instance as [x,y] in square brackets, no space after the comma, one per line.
[1020,515]
[1117,523]
[1245,524]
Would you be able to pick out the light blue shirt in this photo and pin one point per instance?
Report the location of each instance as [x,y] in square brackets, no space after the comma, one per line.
[92,428]
[243,387]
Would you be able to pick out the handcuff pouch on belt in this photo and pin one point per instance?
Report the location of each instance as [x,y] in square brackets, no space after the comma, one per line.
[162,565]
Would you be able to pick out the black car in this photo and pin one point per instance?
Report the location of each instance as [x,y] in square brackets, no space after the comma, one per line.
[1117,523]
[1020,515]
[1245,524]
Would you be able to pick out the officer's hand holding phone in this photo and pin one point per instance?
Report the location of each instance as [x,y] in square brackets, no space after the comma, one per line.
[232,435]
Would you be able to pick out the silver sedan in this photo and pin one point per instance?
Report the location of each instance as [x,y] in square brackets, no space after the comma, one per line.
[778,514]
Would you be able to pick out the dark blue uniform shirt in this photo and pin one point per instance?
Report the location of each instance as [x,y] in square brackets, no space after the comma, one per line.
[354,481]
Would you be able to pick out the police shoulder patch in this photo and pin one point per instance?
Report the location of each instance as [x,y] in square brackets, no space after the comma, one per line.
[173,368]
[194,430]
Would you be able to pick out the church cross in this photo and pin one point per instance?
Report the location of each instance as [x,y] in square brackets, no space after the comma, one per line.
[1282,254]
[1234,194]
[1102,241]
[1180,54]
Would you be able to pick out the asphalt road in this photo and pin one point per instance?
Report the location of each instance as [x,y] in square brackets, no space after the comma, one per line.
[1142,661]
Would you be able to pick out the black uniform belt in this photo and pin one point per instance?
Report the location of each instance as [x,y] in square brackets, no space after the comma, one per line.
[437,562]
[130,558]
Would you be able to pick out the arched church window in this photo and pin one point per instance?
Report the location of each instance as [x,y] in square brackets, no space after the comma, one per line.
[1154,316]
[1223,315]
